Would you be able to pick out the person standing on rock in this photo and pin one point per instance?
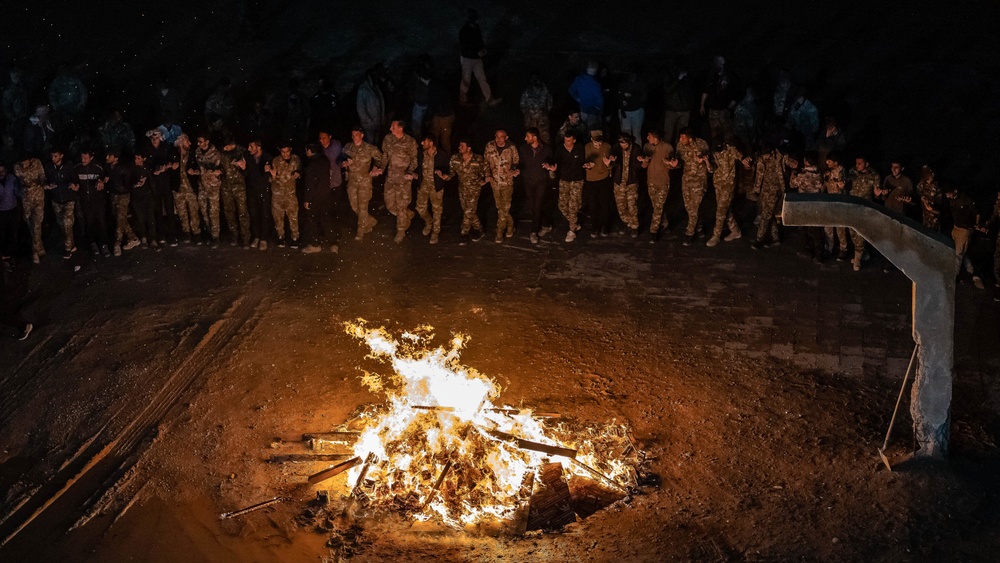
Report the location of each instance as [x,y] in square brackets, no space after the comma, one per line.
[501,168]
[362,163]
[285,171]
[658,160]
[471,171]
[693,152]
[210,172]
[400,157]
[568,165]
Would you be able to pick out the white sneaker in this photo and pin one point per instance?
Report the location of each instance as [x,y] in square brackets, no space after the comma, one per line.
[570,236]
[533,238]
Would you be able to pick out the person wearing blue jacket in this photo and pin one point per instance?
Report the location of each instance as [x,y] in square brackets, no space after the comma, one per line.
[587,92]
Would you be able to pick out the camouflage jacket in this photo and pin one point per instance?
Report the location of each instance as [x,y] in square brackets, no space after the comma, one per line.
[770,174]
[863,184]
[501,163]
[399,156]
[363,158]
[807,180]
[284,170]
[536,98]
[210,163]
[235,175]
[471,175]
[725,165]
[689,154]
[31,176]
[833,180]
[930,197]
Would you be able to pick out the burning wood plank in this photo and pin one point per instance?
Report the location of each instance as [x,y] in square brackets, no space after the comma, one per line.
[437,484]
[338,437]
[333,471]
[258,506]
[306,458]
[534,446]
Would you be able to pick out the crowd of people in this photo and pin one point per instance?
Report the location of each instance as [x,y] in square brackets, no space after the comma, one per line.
[603,171]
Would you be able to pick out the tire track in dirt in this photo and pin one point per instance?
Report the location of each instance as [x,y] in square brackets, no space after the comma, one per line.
[48,513]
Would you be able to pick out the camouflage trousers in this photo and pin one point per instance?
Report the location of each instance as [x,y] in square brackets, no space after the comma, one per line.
[932,220]
[186,208]
[720,122]
[693,190]
[208,203]
[234,204]
[502,194]
[723,204]
[34,213]
[359,194]
[123,230]
[836,235]
[285,204]
[430,205]
[540,120]
[468,196]
[65,216]
[397,200]
[570,201]
[625,198]
[658,198]
[769,198]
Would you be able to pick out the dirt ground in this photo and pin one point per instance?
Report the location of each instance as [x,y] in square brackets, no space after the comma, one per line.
[147,400]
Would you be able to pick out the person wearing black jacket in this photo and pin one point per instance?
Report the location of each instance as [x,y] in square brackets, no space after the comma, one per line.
[258,179]
[118,180]
[625,167]
[161,159]
[473,49]
[317,200]
[144,202]
[93,201]
[535,158]
[569,159]
[62,186]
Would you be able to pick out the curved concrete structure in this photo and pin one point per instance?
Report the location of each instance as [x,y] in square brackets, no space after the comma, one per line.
[929,260]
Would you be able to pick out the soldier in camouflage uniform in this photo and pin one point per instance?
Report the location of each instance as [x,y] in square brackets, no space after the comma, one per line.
[362,163]
[658,161]
[727,157]
[471,171]
[234,191]
[931,199]
[536,105]
[286,168]
[693,152]
[502,161]
[808,180]
[119,180]
[834,181]
[185,200]
[31,174]
[400,164]
[431,191]
[862,181]
[210,171]
[625,174]
[769,183]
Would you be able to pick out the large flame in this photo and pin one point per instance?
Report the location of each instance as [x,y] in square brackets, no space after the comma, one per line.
[443,449]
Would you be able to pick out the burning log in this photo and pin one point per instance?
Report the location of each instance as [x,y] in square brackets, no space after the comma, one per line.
[600,475]
[437,484]
[518,412]
[534,446]
[258,506]
[333,471]
[306,458]
[338,437]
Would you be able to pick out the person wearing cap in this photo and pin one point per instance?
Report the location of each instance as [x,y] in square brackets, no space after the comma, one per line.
[362,163]
[625,176]
[234,191]
[658,160]
[31,174]
[210,184]
[61,183]
[286,169]
[400,158]
[501,168]
[598,192]
[161,160]
[693,153]
[93,201]
[589,94]
[186,196]
[118,180]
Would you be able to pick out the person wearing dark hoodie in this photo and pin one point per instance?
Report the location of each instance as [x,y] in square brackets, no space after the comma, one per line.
[144,202]
[62,186]
[93,201]
[317,201]
[118,180]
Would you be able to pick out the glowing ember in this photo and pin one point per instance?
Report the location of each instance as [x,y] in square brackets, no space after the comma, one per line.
[443,449]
